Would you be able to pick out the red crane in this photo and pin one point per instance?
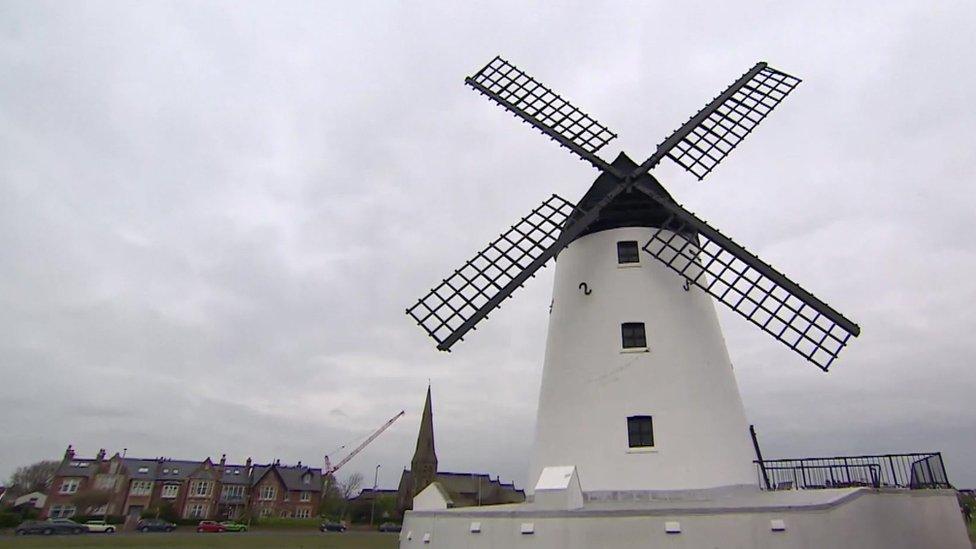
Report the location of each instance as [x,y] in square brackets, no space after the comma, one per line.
[329,468]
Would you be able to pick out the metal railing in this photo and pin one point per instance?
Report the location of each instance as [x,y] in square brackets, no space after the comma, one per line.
[908,471]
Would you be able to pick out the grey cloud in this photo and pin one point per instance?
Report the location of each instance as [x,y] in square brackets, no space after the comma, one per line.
[212,216]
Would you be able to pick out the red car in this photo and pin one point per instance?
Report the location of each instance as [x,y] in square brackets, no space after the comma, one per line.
[210,526]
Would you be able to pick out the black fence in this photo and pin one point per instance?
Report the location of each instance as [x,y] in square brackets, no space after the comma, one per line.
[909,471]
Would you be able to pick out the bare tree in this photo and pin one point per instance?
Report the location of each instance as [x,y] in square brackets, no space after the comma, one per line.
[351,485]
[35,477]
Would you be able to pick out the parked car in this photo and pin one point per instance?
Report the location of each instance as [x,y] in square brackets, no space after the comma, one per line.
[49,527]
[329,526]
[155,525]
[100,527]
[389,527]
[210,526]
[232,526]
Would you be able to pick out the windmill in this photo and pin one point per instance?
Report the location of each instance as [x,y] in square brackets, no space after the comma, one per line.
[680,399]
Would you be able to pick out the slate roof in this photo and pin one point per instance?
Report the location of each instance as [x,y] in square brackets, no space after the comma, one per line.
[292,476]
[77,468]
[162,469]
[234,474]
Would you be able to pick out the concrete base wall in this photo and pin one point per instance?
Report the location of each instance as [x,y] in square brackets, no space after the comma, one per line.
[863,519]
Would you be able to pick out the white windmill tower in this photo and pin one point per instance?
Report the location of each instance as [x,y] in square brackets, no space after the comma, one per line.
[638,397]
[637,391]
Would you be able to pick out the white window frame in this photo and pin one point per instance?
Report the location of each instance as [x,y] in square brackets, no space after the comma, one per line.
[306,496]
[105,482]
[62,511]
[303,513]
[170,491]
[232,491]
[268,492]
[266,512]
[69,486]
[196,511]
[201,488]
[141,488]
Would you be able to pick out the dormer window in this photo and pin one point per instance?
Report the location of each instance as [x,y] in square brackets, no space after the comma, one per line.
[627,252]
[144,469]
[166,470]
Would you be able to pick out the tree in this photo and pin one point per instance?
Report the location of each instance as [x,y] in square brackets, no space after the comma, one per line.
[335,494]
[35,477]
[351,485]
[165,511]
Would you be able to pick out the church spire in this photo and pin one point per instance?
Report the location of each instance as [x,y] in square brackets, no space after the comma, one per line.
[424,463]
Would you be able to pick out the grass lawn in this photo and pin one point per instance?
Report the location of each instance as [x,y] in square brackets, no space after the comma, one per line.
[276,539]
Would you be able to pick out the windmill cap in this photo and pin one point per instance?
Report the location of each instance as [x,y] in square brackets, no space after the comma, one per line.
[628,209]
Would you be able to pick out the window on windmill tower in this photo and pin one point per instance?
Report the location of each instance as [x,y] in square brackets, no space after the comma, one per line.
[627,252]
[633,336]
[640,431]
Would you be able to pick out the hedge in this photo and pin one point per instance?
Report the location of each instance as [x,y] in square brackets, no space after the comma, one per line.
[9,520]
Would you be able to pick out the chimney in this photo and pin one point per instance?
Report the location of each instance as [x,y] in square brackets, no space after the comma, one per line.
[299,464]
[100,455]
[69,453]
[277,462]
[223,459]
[247,467]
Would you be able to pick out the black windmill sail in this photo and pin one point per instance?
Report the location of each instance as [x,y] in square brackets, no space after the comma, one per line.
[682,241]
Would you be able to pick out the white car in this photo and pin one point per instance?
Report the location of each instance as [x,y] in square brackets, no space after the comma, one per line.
[100,527]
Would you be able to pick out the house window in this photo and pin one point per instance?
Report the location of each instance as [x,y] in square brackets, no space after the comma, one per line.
[144,469]
[231,491]
[627,252]
[62,511]
[284,513]
[286,496]
[640,431]
[632,334]
[201,488]
[197,510]
[268,492]
[141,488]
[176,471]
[265,512]
[69,485]
[105,482]
[165,470]
[306,496]
[170,491]
[303,512]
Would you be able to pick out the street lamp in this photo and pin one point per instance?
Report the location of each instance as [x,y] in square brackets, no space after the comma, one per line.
[372,511]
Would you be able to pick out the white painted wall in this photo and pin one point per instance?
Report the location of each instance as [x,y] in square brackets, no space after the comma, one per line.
[590,386]
[908,520]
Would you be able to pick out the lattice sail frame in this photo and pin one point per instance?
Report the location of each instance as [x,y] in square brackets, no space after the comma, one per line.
[503,80]
[457,298]
[802,326]
[727,121]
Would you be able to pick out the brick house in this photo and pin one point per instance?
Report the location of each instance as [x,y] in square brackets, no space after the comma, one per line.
[194,489]
[80,476]
[280,491]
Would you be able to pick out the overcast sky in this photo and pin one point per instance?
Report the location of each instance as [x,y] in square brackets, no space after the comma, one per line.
[213,215]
